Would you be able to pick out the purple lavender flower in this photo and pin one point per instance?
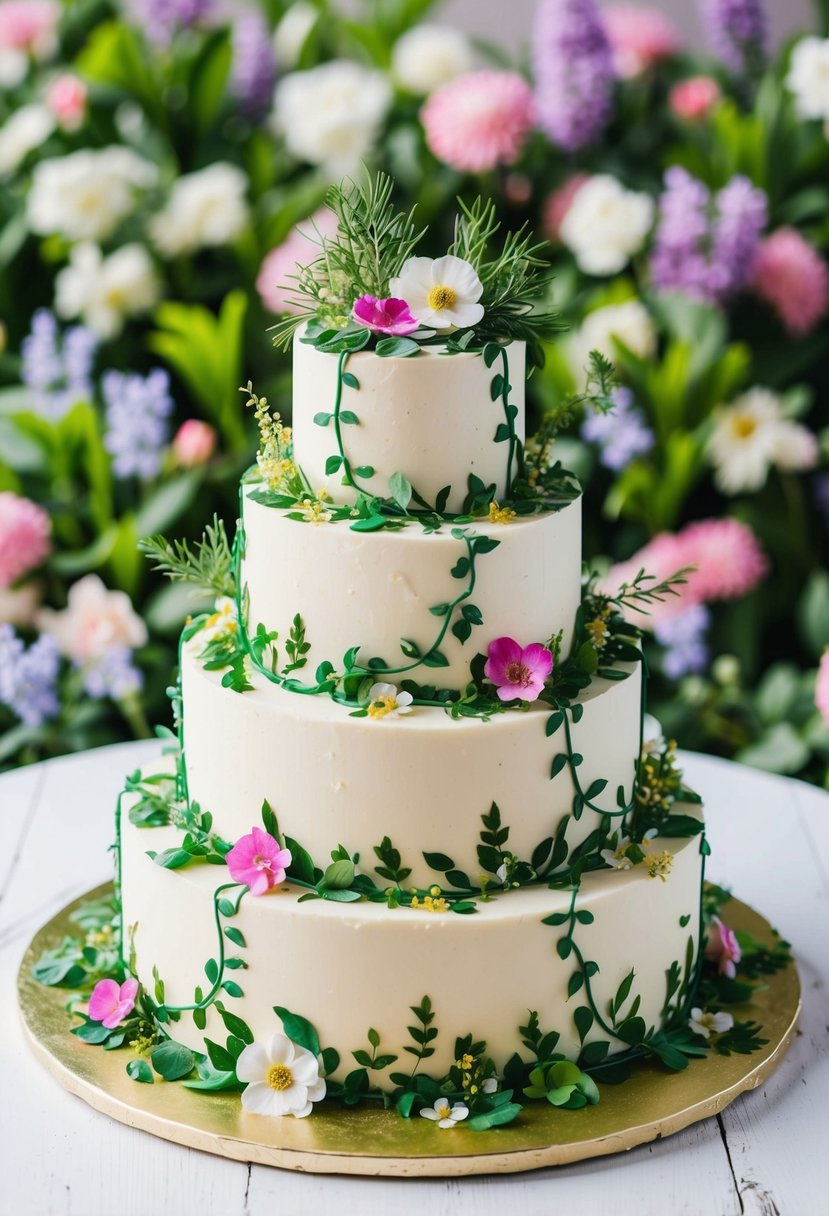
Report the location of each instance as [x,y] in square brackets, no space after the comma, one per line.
[254,63]
[620,434]
[137,415]
[573,69]
[737,32]
[28,678]
[160,19]
[705,246]
[682,635]
[113,674]
[57,372]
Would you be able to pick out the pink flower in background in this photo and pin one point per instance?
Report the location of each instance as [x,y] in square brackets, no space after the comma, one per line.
[639,38]
[517,671]
[389,316]
[274,281]
[822,687]
[559,203]
[791,276]
[194,443]
[24,536]
[110,1002]
[479,120]
[723,948]
[94,621]
[29,25]
[694,98]
[66,98]
[258,860]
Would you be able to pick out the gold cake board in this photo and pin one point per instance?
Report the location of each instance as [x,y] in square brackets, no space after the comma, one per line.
[652,1104]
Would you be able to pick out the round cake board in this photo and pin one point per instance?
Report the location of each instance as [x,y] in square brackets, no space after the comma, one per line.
[653,1103]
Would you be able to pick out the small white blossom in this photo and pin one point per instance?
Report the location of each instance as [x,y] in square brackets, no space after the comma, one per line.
[606,225]
[282,1078]
[445,1114]
[14,66]
[384,699]
[331,115]
[629,321]
[104,291]
[205,208]
[490,1085]
[808,77]
[442,293]
[706,1024]
[84,196]
[750,436]
[617,858]
[25,130]
[428,55]
[222,622]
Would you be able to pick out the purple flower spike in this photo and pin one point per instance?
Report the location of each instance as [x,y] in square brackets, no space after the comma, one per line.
[737,32]
[573,70]
[391,316]
[254,63]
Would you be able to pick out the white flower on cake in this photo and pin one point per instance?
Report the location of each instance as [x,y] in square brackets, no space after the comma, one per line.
[282,1078]
[23,131]
[205,208]
[104,291]
[429,55]
[443,293]
[808,78]
[706,1024]
[331,115]
[629,321]
[384,699]
[84,196]
[444,1113]
[752,434]
[617,858]
[223,620]
[606,225]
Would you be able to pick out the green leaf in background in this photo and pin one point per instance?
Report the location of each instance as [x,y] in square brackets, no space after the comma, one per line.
[208,79]
[779,750]
[813,612]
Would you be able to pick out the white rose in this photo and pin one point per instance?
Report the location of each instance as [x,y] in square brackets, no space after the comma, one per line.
[103,291]
[205,208]
[292,32]
[429,55]
[94,620]
[331,115]
[85,195]
[606,224]
[808,77]
[629,321]
[24,131]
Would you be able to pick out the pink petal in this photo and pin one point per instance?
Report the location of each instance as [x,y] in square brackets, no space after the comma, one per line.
[259,881]
[129,990]
[538,658]
[500,652]
[104,1000]
[509,692]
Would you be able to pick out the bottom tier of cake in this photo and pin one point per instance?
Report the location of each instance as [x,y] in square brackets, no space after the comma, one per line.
[609,961]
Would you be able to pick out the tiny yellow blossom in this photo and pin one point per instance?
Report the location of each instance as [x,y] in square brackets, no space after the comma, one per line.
[659,865]
[500,515]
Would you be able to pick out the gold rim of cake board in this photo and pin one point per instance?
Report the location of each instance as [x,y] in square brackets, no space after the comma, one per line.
[652,1104]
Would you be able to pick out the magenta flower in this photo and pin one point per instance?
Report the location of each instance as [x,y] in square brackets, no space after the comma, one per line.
[519,672]
[723,948]
[258,860]
[390,316]
[110,1002]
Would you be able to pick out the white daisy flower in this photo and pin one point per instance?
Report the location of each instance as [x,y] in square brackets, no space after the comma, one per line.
[708,1023]
[384,699]
[442,293]
[282,1078]
[444,1114]
[752,434]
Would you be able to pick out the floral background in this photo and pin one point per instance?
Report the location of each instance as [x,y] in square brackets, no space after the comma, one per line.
[158,159]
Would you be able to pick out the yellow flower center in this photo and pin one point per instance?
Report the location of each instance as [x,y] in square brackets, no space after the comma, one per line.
[441,297]
[743,426]
[444,1110]
[280,1077]
[382,706]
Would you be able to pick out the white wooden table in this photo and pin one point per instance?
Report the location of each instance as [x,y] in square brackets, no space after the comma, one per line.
[766,1155]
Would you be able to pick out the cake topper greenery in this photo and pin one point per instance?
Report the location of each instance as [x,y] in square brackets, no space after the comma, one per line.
[368,287]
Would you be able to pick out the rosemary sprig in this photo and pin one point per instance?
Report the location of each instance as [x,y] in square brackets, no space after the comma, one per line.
[206,566]
[634,594]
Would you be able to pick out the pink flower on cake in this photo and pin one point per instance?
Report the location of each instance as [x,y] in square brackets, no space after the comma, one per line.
[259,861]
[282,1078]
[24,536]
[694,98]
[479,120]
[275,281]
[94,620]
[390,316]
[723,948]
[518,672]
[194,443]
[640,37]
[110,1002]
[791,276]
[822,687]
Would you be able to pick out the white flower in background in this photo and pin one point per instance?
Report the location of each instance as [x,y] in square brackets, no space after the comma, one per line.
[331,115]
[808,78]
[85,195]
[14,65]
[606,225]
[25,130]
[429,55]
[629,321]
[292,32]
[706,1024]
[223,621]
[444,1113]
[94,621]
[384,699]
[442,293]
[752,434]
[282,1078]
[205,208]
[104,291]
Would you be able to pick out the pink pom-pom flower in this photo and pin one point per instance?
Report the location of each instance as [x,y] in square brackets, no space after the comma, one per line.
[479,120]
[390,316]
[723,948]
[24,536]
[694,98]
[258,860]
[640,37]
[518,672]
[791,276]
[194,443]
[110,1002]
[822,687]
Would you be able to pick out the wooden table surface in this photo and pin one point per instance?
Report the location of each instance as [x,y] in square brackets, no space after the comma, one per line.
[766,1155]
